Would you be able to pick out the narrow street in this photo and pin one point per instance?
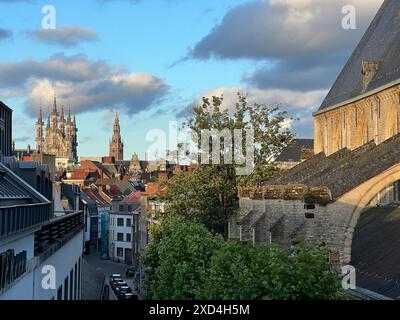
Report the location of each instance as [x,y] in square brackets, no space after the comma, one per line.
[108,268]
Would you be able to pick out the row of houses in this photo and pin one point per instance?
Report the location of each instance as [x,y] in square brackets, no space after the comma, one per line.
[115,197]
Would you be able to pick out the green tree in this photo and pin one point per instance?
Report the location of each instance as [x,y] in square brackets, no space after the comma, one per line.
[209,195]
[238,272]
[185,261]
[267,121]
[203,196]
[175,259]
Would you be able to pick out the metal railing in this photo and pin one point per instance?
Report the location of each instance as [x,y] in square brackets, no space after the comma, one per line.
[56,233]
[18,218]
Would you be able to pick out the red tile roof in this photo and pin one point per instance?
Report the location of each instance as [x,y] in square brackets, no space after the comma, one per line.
[126,178]
[80,174]
[104,182]
[152,188]
[94,195]
[113,193]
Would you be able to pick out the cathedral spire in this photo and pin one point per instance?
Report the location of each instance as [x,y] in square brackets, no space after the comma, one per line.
[62,119]
[39,130]
[62,110]
[116,144]
[69,116]
[54,114]
[48,120]
[55,103]
[40,117]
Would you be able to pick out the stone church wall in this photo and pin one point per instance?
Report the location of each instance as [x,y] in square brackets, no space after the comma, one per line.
[375,117]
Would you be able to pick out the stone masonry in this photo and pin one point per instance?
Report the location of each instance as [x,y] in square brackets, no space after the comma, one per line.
[324,200]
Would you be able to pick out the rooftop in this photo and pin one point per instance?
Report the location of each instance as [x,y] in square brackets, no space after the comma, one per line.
[380,43]
[336,172]
[293,153]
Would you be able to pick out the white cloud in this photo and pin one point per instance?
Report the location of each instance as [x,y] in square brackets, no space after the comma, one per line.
[283,28]
[298,104]
[290,100]
[65,36]
[89,85]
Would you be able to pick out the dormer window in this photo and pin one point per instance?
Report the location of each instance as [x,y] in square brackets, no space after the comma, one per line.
[369,70]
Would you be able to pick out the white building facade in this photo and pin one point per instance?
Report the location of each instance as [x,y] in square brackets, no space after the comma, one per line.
[40,254]
[121,223]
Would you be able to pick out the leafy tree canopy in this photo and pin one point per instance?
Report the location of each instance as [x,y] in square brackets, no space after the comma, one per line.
[185,261]
[209,195]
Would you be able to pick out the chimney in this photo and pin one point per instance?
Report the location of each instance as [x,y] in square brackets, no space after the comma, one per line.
[369,70]
[306,154]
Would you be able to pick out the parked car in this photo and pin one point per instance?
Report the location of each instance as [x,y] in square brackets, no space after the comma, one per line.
[129,296]
[115,276]
[121,291]
[118,286]
[114,281]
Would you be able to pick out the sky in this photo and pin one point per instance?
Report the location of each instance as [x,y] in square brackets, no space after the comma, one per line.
[151,60]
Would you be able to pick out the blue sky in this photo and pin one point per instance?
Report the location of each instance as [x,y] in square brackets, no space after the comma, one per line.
[151,59]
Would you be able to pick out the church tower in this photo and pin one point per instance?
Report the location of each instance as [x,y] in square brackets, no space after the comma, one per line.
[60,137]
[116,144]
[74,140]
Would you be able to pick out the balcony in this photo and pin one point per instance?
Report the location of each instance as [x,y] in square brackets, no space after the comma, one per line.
[56,233]
[18,218]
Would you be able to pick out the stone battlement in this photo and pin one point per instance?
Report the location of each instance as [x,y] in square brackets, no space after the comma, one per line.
[320,195]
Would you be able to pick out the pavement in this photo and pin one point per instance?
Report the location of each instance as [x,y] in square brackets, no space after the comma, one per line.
[108,268]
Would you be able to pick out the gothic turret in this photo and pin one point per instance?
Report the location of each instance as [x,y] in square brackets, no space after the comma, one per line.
[74,139]
[68,128]
[54,114]
[48,125]
[62,120]
[39,131]
[116,144]
[61,135]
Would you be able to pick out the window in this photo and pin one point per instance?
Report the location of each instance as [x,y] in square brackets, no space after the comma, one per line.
[121,207]
[129,222]
[120,252]
[128,237]
[120,236]
[120,222]
[130,208]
